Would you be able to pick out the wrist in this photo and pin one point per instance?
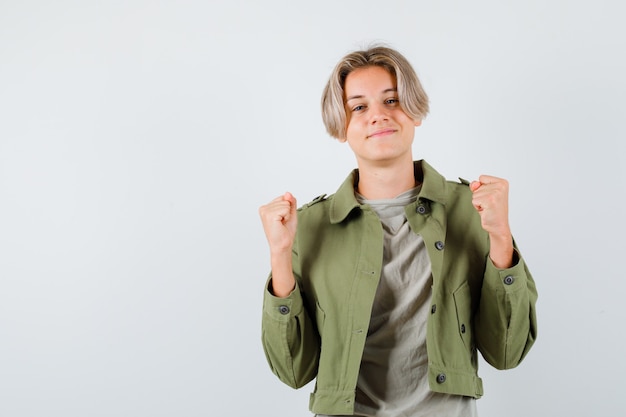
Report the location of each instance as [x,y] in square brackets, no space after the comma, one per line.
[283,281]
[501,250]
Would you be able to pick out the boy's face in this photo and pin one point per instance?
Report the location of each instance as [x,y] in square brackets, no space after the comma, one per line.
[378,130]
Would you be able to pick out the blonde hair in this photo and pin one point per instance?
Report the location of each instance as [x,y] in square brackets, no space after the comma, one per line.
[413,98]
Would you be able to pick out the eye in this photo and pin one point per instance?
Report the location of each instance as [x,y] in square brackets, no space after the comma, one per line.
[358,108]
[392,101]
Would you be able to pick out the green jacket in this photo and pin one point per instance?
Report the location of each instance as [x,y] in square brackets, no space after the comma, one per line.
[319,330]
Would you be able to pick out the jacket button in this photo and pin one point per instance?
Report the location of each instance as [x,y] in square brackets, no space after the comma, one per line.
[433,309]
[441,378]
[423,207]
[509,279]
[462,328]
[283,310]
[439,245]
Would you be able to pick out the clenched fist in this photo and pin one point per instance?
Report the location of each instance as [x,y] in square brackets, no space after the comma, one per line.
[279,220]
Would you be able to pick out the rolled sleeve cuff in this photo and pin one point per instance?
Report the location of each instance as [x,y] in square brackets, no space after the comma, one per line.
[508,279]
[282,309]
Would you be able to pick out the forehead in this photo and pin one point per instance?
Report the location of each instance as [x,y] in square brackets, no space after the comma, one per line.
[368,80]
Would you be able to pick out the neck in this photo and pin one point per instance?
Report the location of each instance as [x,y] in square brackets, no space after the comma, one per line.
[384,182]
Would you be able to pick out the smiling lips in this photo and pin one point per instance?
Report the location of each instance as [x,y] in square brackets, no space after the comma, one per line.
[381,133]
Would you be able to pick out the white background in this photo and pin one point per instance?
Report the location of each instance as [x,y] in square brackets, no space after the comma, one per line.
[138,138]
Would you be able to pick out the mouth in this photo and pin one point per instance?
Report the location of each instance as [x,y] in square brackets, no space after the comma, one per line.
[381,133]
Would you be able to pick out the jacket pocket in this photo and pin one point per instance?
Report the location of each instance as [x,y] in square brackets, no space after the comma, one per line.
[320,317]
[463,304]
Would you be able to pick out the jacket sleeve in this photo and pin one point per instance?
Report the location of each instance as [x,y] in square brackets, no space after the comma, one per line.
[506,322]
[290,338]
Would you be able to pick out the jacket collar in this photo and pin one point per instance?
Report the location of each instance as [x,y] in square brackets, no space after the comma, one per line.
[344,200]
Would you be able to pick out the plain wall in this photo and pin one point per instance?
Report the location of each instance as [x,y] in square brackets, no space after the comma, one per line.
[139,138]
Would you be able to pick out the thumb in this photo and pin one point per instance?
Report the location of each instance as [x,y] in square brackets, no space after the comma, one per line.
[292,200]
[475,185]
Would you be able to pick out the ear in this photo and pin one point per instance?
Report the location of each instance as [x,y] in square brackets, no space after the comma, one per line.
[342,140]
[418,122]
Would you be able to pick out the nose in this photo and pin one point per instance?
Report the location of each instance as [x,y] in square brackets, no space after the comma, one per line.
[378,113]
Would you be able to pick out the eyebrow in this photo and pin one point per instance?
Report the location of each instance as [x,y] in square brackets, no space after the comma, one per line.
[388,90]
